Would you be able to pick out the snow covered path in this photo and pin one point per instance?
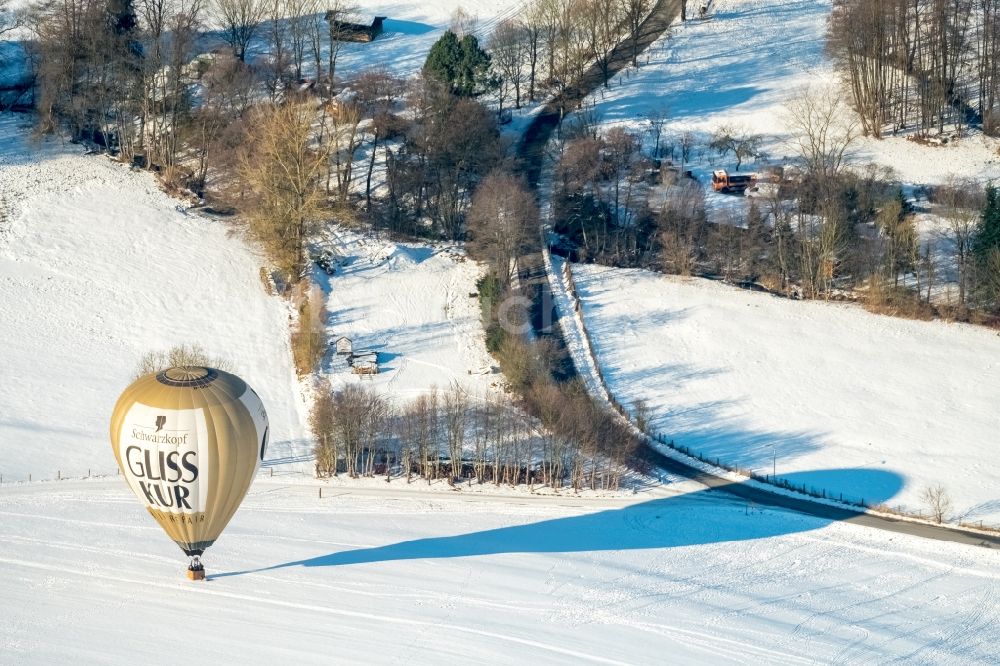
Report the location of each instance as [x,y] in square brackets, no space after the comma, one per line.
[428,578]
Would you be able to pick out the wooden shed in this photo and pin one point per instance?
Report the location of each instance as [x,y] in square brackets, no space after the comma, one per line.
[344,346]
[364,363]
[346,31]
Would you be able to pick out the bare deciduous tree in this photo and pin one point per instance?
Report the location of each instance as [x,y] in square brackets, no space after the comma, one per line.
[508,47]
[339,13]
[350,422]
[341,136]
[285,168]
[179,356]
[937,501]
[240,21]
[823,130]
[739,141]
[501,219]
[961,201]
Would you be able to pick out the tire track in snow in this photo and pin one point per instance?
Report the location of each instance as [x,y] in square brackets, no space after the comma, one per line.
[104,575]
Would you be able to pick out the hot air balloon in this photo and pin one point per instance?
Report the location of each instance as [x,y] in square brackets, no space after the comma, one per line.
[189,441]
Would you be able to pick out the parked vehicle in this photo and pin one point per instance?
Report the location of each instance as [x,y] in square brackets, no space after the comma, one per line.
[723,181]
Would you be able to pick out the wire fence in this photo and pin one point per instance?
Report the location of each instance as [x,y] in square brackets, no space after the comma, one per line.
[769,479]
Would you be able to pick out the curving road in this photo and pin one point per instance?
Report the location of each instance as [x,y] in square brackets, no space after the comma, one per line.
[534,281]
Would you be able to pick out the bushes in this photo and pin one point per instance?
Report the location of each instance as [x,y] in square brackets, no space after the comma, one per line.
[309,334]
[179,355]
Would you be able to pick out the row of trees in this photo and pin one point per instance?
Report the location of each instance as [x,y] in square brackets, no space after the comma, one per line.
[550,45]
[450,435]
[920,64]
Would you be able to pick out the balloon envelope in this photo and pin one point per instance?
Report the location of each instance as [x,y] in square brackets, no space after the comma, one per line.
[189,441]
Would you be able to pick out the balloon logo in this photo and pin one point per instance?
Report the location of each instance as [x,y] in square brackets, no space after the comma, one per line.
[189,441]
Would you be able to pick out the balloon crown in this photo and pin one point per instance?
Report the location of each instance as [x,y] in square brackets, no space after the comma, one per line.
[187,376]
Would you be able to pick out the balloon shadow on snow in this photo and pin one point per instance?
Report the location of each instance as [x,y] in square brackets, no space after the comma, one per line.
[697,518]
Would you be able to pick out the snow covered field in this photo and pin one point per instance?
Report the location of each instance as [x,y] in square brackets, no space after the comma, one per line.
[389,577]
[410,303]
[97,267]
[740,69]
[760,382]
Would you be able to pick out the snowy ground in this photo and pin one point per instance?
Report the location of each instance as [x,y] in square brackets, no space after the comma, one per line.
[760,382]
[384,577]
[97,267]
[415,305]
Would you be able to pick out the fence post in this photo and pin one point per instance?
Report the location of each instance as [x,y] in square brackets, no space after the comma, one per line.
[58,475]
[321,492]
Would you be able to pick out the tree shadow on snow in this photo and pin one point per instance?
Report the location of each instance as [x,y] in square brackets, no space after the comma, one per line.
[697,518]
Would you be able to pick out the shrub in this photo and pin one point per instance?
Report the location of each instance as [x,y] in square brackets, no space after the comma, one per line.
[309,334]
[180,355]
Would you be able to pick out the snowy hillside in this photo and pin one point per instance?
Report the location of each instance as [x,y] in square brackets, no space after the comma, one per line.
[97,267]
[413,304]
[409,30]
[760,382]
[741,68]
[380,577]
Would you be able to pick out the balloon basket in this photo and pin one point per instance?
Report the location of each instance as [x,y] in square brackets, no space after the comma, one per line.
[197,570]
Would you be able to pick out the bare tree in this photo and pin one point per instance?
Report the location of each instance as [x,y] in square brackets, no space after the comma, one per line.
[634,13]
[351,421]
[10,19]
[339,14]
[657,119]
[508,47]
[961,201]
[736,140]
[240,21]
[342,138]
[456,416]
[603,27]
[378,92]
[502,218]
[179,356]
[687,143]
[301,19]
[284,168]
[937,501]
[463,23]
[323,422]
[683,227]
[823,130]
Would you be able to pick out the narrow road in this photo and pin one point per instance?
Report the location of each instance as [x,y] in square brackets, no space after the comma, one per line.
[535,285]
[532,277]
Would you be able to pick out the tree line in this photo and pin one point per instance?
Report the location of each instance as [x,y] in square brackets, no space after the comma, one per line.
[453,436]
[920,64]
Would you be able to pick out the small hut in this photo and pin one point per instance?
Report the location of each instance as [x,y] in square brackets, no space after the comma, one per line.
[344,346]
[346,31]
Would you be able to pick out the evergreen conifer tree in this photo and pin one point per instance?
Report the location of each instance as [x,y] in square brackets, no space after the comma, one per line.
[988,233]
